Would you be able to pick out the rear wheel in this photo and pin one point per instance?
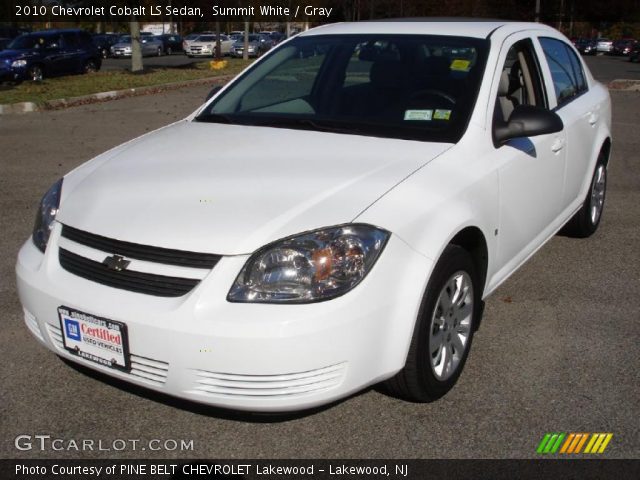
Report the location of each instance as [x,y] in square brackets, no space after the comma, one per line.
[35,73]
[586,220]
[444,330]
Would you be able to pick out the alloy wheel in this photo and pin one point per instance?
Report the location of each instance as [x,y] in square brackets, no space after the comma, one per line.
[451,325]
[598,187]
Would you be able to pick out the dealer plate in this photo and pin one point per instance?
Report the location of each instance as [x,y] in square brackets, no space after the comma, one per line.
[93,338]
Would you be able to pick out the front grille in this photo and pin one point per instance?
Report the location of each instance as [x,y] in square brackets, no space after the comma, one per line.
[148,283]
[285,385]
[154,371]
[141,252]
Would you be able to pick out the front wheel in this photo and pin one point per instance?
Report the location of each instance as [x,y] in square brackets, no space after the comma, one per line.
[90,66]
[586,220]
[444,330]
[35,73]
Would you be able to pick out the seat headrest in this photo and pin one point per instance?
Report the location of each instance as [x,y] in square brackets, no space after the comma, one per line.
[505,83]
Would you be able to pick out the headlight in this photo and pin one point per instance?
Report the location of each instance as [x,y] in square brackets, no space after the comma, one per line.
[19,63]
[46,215]
[310,267]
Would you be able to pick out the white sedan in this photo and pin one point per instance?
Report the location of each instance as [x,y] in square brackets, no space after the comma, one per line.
[331,219]
[205,46]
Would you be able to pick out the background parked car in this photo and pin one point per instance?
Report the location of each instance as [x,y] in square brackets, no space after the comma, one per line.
[205,46]
[150,45]
[186,41]
[257,46]
[104,42]
[49,53]
[171,42]
[605,45]
[623,47]
[587,46]
[4,42]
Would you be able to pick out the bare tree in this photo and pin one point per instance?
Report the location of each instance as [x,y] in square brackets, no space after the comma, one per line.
[245,50]
[136,47]
[218,45]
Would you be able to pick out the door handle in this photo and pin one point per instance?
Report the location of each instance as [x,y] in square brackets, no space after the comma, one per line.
[593,118]
[557,145]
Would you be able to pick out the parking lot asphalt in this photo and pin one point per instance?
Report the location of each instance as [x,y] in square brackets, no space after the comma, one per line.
[558,349]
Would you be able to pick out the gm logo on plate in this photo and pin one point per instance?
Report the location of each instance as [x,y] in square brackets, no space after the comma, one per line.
[73,329]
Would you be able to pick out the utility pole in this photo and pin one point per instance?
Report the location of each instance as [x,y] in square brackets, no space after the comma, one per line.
[538,11]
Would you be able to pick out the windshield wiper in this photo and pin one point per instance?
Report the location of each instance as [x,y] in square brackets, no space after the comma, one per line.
[214,118]
[306,124]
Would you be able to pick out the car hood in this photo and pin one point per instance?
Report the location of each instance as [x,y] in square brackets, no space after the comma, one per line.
[230,189]
[122,44]
[16,54]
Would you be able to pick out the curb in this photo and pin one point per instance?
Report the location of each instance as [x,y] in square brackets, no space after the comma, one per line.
[28,107]
[625,85]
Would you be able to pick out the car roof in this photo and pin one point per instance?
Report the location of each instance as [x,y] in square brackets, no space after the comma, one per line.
[56,31]
[478,28]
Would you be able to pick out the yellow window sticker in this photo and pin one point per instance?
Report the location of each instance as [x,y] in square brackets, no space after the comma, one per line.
[418,115]
[460,65]
[442,114]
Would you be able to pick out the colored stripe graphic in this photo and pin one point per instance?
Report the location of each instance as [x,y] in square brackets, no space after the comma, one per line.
[573,443]
[606,441]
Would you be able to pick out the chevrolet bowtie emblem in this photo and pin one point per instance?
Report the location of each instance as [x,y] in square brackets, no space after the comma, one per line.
[116,263]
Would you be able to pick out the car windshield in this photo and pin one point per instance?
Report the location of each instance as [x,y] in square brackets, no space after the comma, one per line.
[125,39]
[24,42]
[400,86]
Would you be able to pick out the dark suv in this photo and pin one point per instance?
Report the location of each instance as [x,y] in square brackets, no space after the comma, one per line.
[49,53]
[171,42]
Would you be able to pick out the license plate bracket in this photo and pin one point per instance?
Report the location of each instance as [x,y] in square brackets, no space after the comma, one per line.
[97,339]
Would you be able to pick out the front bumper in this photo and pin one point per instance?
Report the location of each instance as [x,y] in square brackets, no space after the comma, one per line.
[12,74]
[201,53]
[256,357]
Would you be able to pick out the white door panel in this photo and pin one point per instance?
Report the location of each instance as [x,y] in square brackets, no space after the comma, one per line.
[531,180]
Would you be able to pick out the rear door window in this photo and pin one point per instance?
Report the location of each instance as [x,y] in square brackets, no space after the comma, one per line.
[566,70]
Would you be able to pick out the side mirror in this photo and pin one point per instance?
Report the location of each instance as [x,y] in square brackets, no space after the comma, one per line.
[213,91]
[527,121]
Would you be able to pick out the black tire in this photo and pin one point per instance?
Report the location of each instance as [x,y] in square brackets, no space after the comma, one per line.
[90,66]
[417,381]
[584,223]
[35,73]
